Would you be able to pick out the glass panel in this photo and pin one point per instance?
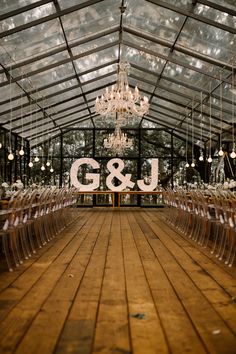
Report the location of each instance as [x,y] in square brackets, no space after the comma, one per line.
[92,19]
[52,75]
[149,124]
[155,143]
[188,4]
[14,103]
[72,117]
[166,104]
[7,6]
[189,76]
[78,143]
[215,15]
[51,59]
[199,64]
[151,18]
[103,71]
[143,75]
[26,17]
[58,87]
[65,3]
[69,111]
[96,43]
[33,41]
[63,106]
[178,88]
[102,82]
[85,124]
[5,92]
[141,42]
[226,3]
[144,60]
[172,96]
[63,96]
[208,40]
[96,59]
[164,110]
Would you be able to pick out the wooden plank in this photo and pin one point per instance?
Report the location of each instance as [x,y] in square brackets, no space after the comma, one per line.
[180,333]
[147,334]
[79,330]
[217,269]
[55,310]
[23,283]
[112,332]
[7,278]
[11,329]
[213,290]
[216,335]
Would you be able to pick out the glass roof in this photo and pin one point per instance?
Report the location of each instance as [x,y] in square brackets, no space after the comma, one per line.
[56,57]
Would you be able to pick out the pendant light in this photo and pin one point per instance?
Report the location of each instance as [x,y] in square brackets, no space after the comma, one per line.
[221,152]
[31,126]
[21,152]
[233,154]
[193,163]
[201,158]
[10,155]
[36,121]
[209,157]
[186,147]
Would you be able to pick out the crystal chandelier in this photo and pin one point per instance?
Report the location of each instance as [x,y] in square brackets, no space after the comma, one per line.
[120,99]
[118,141]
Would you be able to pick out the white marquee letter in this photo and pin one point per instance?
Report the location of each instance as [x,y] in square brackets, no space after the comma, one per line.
[95,177]
[154,178]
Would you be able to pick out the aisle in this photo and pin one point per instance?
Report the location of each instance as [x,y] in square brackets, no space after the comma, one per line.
[118,281]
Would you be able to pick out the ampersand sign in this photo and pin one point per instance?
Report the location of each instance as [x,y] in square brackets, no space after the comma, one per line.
[116,172]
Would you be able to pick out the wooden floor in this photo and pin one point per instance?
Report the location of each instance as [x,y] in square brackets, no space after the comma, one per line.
[119,281]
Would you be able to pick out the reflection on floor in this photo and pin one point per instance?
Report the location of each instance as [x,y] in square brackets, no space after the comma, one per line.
[119,281]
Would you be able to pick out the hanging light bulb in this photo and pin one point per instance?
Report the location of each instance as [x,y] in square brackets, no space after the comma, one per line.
[233,154]
[193,164]
[187,165]
[21,152]
[0,145]
[201,158]
[51,169]
[10,156]
[30,164]
[42,168]
[221,152]
[48,163]
[209,159]
[36,159]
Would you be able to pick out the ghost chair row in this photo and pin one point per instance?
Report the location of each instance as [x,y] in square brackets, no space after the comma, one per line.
[206,217]
[33,218]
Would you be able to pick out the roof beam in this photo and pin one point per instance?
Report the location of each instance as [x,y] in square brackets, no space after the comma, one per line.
[178,48]
[49,17]
[182,11]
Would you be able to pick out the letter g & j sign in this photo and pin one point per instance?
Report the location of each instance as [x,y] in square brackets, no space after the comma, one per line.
[115,172]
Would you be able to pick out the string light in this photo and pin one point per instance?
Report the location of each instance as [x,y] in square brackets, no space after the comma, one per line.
[192,164]
[186,147]
[210,158]
[21,152]
[221,152]
[10,155]
[201,158]
[233,154]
